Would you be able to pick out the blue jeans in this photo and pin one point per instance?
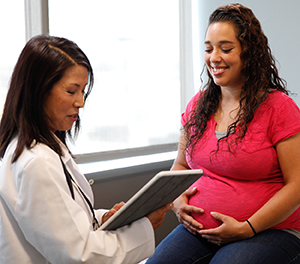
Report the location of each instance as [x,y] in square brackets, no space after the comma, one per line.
[267,247]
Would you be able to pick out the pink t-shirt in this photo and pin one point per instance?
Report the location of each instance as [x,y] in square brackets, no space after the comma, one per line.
[238,184]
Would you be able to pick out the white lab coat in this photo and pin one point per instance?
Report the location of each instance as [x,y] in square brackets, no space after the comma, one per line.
[41,223]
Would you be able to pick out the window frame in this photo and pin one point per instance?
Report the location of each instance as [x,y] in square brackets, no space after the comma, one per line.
[37,22]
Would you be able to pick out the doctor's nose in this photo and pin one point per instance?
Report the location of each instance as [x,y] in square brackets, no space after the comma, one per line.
[79,101]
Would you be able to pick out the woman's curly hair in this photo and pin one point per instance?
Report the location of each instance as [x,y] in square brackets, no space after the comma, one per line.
[259,72]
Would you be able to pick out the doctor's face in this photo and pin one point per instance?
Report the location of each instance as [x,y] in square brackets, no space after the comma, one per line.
[66,98]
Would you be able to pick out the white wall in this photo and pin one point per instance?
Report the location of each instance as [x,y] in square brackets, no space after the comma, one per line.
[280,21]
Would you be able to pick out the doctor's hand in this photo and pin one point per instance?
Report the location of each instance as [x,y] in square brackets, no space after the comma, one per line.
[156,217]
[112,211]
[183,211]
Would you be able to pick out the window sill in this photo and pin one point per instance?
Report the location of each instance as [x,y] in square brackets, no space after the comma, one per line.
[116,168]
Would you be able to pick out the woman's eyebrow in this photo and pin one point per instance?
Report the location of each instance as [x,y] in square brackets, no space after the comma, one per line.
[221,42]
[75,84]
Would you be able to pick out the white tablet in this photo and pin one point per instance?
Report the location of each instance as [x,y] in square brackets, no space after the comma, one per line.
[163,188]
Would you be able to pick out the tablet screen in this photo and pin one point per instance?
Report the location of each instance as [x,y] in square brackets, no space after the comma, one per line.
[163,188]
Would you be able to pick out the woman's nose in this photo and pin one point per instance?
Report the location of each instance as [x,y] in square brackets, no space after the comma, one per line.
[79,102]
[215,56]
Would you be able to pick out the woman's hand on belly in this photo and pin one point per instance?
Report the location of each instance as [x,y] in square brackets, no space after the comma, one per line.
[183,211]
[230,230]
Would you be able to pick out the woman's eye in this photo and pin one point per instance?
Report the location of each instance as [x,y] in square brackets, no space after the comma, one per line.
[71,92]
[227,50]
[208,50]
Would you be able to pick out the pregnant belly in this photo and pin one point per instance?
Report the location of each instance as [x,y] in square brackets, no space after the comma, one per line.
[238,199]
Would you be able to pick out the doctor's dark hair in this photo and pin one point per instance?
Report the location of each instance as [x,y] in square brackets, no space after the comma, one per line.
[41,64]
[259,72]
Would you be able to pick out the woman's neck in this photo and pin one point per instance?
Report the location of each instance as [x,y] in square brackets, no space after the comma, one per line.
[228,108]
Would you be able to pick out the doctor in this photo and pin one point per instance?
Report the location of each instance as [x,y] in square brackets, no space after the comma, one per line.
[46,204]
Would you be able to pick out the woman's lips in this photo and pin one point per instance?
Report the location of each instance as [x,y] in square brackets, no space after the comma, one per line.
[73,117]
[219,70]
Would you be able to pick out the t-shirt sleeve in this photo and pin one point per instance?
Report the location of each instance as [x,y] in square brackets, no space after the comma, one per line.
[190,107]
[286,121]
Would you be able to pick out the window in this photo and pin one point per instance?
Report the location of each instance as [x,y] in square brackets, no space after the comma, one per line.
[133,47]
[142,56]
[12,31]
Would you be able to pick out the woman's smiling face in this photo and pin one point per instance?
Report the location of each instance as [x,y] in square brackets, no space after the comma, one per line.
[66,98]
[223,55]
